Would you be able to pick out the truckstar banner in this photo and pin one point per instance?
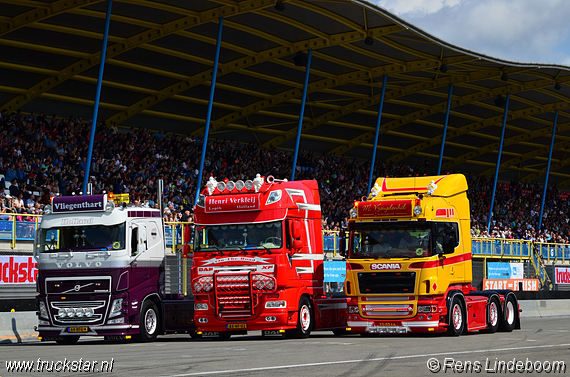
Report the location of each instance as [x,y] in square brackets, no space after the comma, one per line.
[334,271]
[562,275]
[17,270]
[504,270]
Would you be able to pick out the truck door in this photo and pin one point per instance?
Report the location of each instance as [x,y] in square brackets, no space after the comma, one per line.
[140,270]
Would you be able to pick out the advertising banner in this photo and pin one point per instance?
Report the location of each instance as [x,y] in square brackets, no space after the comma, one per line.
[17,270]
[335,271]
[504,270]
[562,275]
[512,284]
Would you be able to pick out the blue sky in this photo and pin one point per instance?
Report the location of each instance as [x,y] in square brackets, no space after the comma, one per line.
[517,30]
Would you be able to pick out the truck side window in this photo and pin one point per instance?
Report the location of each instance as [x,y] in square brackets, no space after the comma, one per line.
[446,237]
[134,241]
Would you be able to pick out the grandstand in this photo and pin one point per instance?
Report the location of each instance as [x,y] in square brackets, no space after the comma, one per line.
[154,106]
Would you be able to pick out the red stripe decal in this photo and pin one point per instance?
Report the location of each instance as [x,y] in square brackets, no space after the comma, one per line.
[445,261]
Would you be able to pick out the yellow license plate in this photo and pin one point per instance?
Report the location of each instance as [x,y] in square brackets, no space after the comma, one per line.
[78,329]
[385,324]
[233,326]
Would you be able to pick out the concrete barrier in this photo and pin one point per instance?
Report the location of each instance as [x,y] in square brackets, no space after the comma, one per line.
[18,327]
[544,308]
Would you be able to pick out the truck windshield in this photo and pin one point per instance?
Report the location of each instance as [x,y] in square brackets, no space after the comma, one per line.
[401,240]
[239,237]
[83,238]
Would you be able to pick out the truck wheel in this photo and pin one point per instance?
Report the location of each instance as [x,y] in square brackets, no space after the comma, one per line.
[148,322]
[509,315]
[68,340]
[305,319]
[456,317]
[493,316]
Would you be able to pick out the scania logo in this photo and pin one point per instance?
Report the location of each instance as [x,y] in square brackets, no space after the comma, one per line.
[385,266]
[78,264]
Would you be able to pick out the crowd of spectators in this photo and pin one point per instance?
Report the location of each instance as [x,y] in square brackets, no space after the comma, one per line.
[46,155]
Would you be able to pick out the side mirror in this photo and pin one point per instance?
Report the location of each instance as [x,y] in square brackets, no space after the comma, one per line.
[449,240]
[342,243]
[296,233]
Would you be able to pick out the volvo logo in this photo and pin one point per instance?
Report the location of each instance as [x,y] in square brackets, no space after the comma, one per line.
[78,264]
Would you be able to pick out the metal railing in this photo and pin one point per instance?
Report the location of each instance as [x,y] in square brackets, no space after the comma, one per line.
[535,252]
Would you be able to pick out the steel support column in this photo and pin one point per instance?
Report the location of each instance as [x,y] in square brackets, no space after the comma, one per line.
[384,79]
[444,129]
[548,169]
[97,97]
[498,162]
[302,114]
[209,115]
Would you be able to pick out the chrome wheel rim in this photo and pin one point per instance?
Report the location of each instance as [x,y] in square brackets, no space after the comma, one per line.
[305,317]
[150,321]
[493,314]
[457,317]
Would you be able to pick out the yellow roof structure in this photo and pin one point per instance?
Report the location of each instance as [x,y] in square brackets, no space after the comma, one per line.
[159,63]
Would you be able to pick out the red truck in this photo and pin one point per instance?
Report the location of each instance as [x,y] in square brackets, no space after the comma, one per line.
[258,260]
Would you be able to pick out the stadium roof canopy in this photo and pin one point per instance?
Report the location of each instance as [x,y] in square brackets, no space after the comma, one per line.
[159,65]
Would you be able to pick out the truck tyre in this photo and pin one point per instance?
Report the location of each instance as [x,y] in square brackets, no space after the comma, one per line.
[149,322]
[456,317]
[68,340]
[509,315]
[493,315]
[305,319]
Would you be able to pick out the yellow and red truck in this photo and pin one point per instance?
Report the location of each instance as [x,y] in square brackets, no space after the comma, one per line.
[408,252]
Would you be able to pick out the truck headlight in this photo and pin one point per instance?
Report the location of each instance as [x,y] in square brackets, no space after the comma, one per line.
[116,320]
[43,310]
[353,309]
[202,306]
[417,210]
[276,304]
[116,307]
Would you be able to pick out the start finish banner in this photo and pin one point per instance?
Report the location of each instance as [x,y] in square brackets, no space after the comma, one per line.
[562,275]
[512,284]
[17,270]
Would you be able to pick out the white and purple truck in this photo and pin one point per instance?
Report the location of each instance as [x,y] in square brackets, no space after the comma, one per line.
[105,270]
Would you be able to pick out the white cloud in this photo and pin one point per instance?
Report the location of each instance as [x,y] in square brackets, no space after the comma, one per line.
[519,30]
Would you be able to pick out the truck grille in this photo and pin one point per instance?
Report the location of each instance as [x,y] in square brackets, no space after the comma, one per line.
[234,296]
[237,296]
[387,282]
[78,285]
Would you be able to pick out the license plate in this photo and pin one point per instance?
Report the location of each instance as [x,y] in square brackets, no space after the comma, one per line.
[78,329]
[233,326]
[386,324]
